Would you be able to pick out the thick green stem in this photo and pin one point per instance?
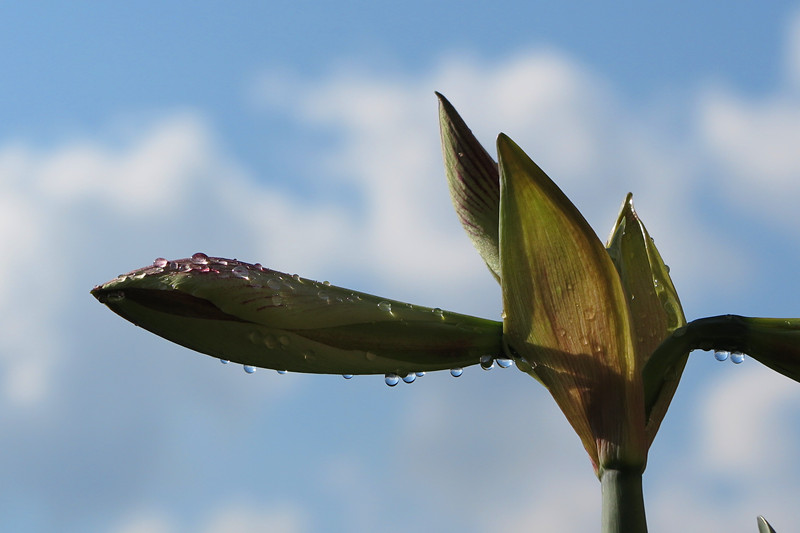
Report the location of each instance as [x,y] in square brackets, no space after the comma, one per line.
[623,502]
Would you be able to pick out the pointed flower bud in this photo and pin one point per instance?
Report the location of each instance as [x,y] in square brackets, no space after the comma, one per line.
[653,302]
[255,316]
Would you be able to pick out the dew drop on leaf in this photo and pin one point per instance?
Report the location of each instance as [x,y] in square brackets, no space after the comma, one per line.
[456,372]
[116,296]
[392,379]
[200,258]
[240,272]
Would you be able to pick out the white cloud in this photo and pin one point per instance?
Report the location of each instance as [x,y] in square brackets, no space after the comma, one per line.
[746,423]
[146,523]
[756,144]
[754,139]
[568,118]
[79,213]
[283,517]
[278,518]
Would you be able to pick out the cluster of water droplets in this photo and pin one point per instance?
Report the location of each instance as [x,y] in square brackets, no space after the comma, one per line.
[249,369]
[723,355]
[392,379]
[200,262]
[487,362]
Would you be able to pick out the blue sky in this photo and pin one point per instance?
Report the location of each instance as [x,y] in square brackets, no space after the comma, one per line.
[305,137]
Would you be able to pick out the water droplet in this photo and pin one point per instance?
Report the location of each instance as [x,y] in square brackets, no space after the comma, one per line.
[721,355]
[284,340]
[438,312]
[249,369]
[570,286]
[562,332]
[504,363]
[487,362]
[273,284]
[737,357]
[240,272]
[456,372]
[409,378]
[347,376]
[277,300]
[200,258]
[392,379]
[281,372]
[116,296]
[296,277]
[160,262]
[224,361]
[524,365]
[419,374]
[326,283]
[666,267]
[269,342]
[324,296]
[589,313]
[385,306]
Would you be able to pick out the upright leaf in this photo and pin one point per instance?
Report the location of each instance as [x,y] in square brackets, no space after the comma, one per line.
[566,312]
[474,183]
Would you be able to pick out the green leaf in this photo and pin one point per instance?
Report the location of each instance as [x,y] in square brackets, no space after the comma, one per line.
[774,342]
[566,313]
[652,300]
[474,183]
[260,317]
[763,525]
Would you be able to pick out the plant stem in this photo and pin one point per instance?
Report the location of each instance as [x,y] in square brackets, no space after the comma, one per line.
[623,502]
